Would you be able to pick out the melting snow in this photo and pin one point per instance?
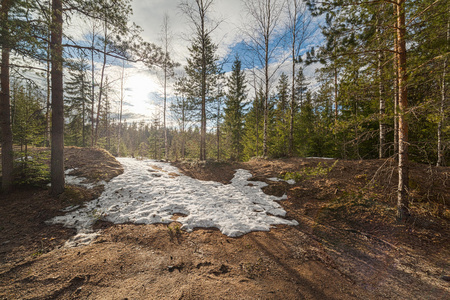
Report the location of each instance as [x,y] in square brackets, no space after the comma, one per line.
[80,181]
[290,181]
[151,192]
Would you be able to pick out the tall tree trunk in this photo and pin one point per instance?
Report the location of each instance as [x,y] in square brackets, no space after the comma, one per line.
[108,139]
[403,160]
[100,92]
[166,146]
[5,106]
[48,107]
[83,96]
[92,85]
[336,112]
[257,127]
[396,90]
[266,95]
[57,156]
[121,105]
[183,134]
[166,53]
[256,105]
[440,160]
[381,101]
[291,120]
[218,131]
[203,91]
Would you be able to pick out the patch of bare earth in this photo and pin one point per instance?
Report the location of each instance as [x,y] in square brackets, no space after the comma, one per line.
[347,246]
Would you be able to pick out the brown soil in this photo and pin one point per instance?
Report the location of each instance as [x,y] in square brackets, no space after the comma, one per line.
[347,246]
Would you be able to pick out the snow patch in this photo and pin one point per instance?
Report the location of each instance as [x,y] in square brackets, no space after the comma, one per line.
[24,158]
[80,181]
[290,181]
[148,193]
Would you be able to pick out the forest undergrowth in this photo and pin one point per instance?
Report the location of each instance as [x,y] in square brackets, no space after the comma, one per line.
[347,231]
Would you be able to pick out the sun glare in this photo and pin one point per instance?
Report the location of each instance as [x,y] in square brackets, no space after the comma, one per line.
[140,91]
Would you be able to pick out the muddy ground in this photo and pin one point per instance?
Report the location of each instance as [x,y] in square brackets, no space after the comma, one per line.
[348,244]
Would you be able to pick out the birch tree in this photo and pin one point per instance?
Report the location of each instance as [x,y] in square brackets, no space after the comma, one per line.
[264,40]
[299,29]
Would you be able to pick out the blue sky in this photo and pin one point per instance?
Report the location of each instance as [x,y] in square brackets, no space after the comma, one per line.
[143,91]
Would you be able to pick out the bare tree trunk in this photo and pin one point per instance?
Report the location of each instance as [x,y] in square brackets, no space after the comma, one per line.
[108,139]
[257,128]
[48,107]
[256,105]
[5,106]
[100,92]
[121,106]
[335,96]
[83,96]
[166,146]
[93,86]
[382,103]
[203,119]
[291,121]
[396,90]
[440,160]
[266,91]
[183,129]
[166,52]
[403,160]
[57,156]
[218,130]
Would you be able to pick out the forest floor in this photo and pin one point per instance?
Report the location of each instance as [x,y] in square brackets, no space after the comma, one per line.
[347,245]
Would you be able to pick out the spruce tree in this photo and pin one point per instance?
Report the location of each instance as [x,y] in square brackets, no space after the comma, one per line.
[77,104]
[253,127]
[234,110]
[281,136]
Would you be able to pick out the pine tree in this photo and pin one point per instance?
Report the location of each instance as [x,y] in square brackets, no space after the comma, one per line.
[5,110]
[201,69]
[202,81]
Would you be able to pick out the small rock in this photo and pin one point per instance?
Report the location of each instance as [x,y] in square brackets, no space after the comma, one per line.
[446,277]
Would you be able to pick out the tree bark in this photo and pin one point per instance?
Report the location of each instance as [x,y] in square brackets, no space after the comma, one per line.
[100,92]
[396,88]
[381,101]
[440,160]
[203,120]
[48,120]
[266,83]
[292,108]
[83,96]
[57,156]
[166,53]
[403,159]
[5,106]
[121,106]
[92,86]
[166,147]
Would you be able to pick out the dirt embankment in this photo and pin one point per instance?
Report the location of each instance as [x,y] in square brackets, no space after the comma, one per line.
[347,246]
